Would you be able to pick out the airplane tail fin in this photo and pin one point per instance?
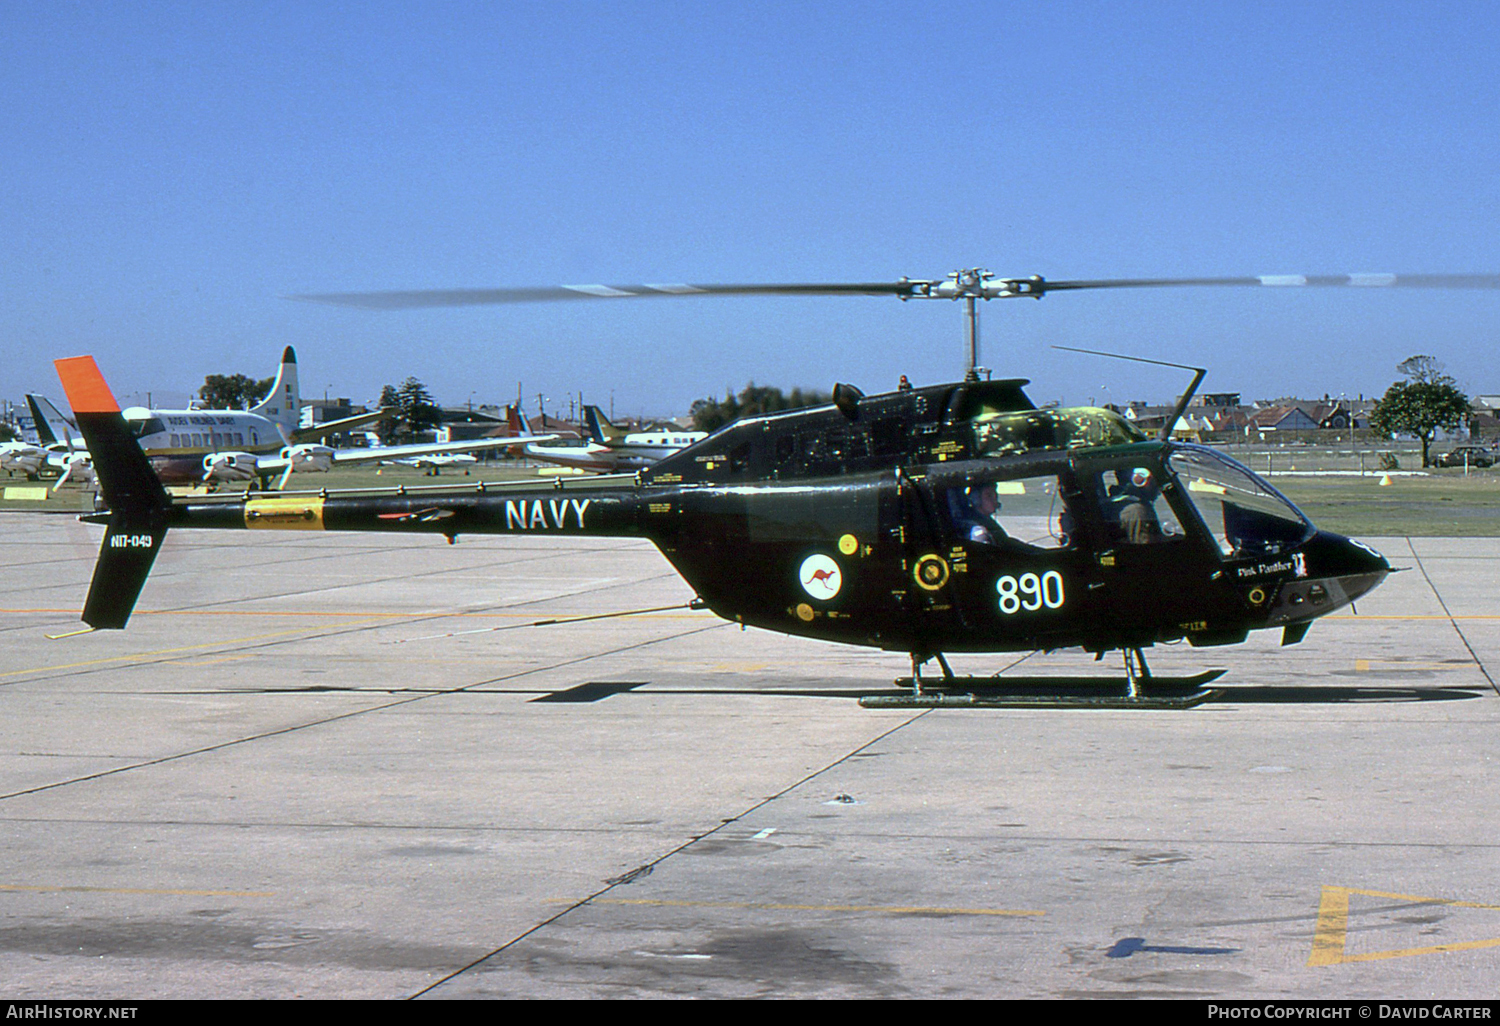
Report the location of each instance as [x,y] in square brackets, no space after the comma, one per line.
[49,421]
[44,433]
[283,404]
[600,429]
[138,504]
[516,421]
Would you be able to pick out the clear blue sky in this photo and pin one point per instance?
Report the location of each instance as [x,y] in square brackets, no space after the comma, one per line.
[168,172]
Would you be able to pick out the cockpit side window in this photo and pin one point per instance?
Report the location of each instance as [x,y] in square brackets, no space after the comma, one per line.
[145,428]
[1030,511]
[1133,509]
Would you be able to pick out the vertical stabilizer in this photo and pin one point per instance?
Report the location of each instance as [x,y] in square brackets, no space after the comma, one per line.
[600,429]
[515,418]
[51,425]
[138,504]
[44,433]
[283,404]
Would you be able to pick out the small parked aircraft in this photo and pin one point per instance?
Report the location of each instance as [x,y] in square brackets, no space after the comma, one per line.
[611,449]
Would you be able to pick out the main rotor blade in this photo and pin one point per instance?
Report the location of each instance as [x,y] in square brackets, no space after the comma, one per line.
[556,293]
[1367,280]
[977,286]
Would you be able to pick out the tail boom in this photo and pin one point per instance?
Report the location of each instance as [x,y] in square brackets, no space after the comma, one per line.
[618,512]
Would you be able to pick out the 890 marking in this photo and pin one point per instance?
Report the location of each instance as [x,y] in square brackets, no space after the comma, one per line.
[1030,592]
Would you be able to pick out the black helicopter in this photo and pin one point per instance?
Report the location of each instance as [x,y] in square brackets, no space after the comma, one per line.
[929,520]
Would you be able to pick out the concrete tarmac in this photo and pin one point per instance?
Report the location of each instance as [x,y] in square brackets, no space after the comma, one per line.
[322,765]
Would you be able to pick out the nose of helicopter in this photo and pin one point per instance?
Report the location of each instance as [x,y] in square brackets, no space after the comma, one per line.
[1331,571]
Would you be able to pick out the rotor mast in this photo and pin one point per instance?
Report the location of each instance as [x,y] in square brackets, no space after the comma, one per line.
[971,282]
[972,285]
[971,318]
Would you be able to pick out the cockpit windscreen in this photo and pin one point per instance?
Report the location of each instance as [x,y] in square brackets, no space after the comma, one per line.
[1247,516]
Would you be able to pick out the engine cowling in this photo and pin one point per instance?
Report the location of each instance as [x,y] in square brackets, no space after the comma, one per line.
[26,458]
[309,459]
[229,466]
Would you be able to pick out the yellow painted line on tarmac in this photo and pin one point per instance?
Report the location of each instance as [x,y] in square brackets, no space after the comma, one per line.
[1363,665]
[159,652]
[1331,935]
[63,889]
[769,907]
[358,618]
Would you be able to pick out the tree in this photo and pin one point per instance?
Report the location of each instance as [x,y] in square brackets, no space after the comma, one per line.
[417,406]
[417,411]
[1424,369]
[233,391]
[753,400]
[386,429]
[1421,405]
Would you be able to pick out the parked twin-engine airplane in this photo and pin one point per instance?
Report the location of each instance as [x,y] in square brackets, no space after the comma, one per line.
[611,449]
[62,458]
[435,462]
[195,446]
[67,455]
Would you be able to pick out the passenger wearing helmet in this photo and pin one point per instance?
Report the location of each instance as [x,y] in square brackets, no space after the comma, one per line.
[1131,500]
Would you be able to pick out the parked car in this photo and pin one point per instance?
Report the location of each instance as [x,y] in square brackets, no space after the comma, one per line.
[1468,455]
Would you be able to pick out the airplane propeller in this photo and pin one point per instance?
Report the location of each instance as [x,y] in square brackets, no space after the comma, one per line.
[77,464]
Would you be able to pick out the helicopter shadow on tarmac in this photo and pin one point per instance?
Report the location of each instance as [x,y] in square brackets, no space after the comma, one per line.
[1056,691]
[1047,692]
[1235,695]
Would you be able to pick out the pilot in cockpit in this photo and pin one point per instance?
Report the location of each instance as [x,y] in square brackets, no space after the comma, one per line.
[978,519]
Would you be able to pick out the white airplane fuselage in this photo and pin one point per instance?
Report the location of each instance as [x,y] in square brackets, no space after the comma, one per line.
[176,441]
[635,451]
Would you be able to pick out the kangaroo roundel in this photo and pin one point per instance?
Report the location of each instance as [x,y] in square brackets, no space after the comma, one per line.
[820,577]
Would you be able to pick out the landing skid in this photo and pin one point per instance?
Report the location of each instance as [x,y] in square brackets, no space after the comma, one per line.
[1049,693]
[1139,690]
